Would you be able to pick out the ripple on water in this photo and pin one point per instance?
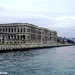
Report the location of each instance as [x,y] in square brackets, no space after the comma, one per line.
[49,61]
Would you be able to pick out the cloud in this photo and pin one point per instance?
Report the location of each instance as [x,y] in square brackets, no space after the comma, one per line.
[1,8]
[53,14]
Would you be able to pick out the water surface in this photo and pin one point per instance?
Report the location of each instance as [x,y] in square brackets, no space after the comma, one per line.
[48,61]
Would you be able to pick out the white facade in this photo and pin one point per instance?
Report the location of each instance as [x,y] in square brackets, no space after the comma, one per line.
[17,33]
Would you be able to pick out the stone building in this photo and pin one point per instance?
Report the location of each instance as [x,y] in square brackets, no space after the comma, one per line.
[19,33]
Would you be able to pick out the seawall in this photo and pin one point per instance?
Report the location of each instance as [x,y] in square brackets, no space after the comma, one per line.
[21,47]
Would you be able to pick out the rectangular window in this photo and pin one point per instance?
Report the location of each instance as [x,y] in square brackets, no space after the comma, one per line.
[3,29]
[32,30]
[18,29]
[18,36]
[21,29]
[8,36]
[14,29]
[6,29]
[9,29]
[24,29]
[28,30]
[32,37]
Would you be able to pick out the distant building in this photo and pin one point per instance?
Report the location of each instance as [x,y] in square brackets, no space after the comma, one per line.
[17,33]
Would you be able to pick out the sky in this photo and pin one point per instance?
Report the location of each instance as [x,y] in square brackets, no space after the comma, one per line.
[58,15]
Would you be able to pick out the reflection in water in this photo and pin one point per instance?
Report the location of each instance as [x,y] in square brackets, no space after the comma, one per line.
[49,61]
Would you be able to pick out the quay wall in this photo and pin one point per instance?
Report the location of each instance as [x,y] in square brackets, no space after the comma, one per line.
[6,48]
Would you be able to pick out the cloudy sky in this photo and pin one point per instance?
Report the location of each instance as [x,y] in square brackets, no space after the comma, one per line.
[58,15]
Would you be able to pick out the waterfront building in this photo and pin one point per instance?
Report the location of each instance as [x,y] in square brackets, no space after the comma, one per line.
[19,33]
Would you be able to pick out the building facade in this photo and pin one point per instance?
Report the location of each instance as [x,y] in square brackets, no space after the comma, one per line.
[19,33]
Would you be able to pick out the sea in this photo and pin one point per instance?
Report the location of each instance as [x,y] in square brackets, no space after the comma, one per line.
[47,61]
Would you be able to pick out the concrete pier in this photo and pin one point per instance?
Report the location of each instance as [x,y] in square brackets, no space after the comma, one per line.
[5,48]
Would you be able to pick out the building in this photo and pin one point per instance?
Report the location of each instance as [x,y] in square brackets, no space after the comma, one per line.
[19,33]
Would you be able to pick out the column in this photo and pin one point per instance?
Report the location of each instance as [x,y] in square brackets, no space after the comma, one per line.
[19,37]
[26,34]
[16,36]
[16,29]
[1,38]
[5,39]
[22,29]
[4,30]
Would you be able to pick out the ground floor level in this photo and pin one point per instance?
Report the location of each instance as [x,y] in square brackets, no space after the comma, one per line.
[26,38]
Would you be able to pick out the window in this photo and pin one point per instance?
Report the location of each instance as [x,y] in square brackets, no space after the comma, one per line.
[8,36]
[39,32]
[39,37]
[9,29]
[18,29]
[21,29]
[3,29]
[24,29]
[11,36]
[32,37]
[23,36]
[14,37]
[14,29]
[32,30]
[28,30]
[6,29]
[18,36]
